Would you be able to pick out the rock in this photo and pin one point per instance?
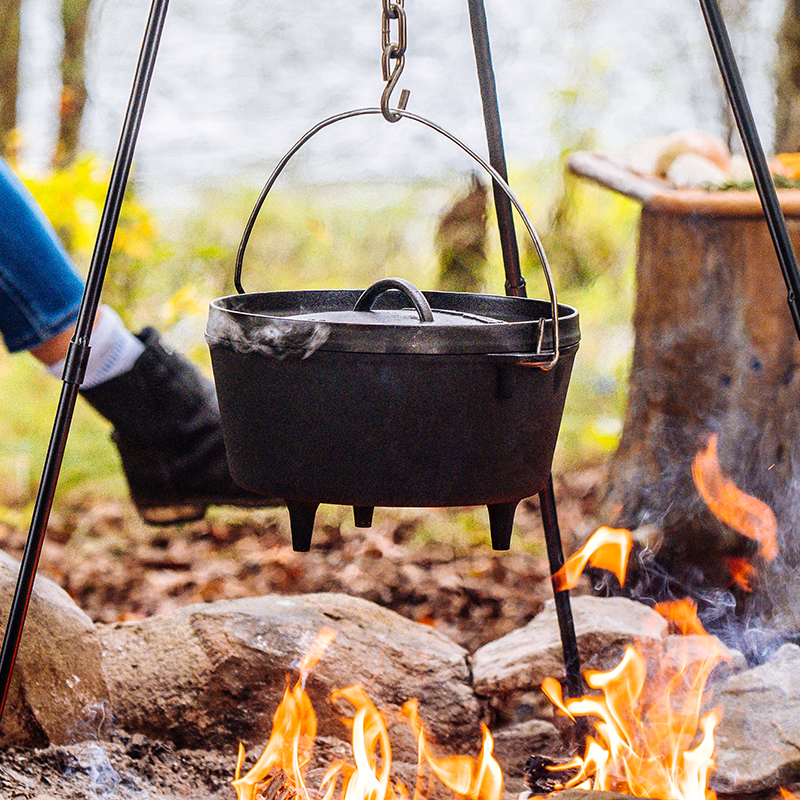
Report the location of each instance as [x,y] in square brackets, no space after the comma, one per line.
[604,626]
[214,673]
[514,745]
[589,794]
[57,693]
[758,739]
[686,653]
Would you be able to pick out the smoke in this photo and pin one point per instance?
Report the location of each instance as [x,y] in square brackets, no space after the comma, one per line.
[88,762]
[96,723]
[743,622]
[102,778]
[277,338]
[682,549]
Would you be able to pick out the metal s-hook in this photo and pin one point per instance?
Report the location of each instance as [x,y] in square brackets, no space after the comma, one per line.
[393,51]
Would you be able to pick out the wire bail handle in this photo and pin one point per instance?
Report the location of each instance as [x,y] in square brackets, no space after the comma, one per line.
[393,51]
[401,114]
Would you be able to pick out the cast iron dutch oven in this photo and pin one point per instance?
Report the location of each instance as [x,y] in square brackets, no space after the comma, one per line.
[391,396]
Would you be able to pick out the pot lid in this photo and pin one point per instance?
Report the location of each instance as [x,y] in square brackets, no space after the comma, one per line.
[400,316]
[379,320]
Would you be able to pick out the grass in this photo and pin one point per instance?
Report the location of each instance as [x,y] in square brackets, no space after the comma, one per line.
[332,237]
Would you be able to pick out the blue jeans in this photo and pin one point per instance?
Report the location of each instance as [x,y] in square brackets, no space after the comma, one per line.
[40,290]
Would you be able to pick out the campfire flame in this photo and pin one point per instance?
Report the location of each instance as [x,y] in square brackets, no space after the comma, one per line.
[606,548]
[742,572]
[368,777]
[294,730]
[746,514]
[650,739]
[480,779]
[645,740]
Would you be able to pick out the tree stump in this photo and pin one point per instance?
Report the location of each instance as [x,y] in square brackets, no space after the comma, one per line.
[715,352]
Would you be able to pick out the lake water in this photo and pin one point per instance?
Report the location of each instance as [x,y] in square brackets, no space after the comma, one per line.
[237,82]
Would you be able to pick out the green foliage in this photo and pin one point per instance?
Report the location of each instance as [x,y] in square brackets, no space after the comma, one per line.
[595,404]
[600,226]
[328,237]
[586,226]
[72,198]
[29,398]
[749,185]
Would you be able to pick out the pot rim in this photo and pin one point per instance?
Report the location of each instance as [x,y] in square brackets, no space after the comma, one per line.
[267,322]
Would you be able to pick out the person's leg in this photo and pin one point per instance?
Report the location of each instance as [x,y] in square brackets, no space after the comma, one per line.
[40,290]
[114,350]
[165,416]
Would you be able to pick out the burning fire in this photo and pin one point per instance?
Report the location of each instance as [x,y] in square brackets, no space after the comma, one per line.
[479,779]
[742,572]
[607,548]
[649,739]
[645,740]
[746,514]
[293,732]
[289,749]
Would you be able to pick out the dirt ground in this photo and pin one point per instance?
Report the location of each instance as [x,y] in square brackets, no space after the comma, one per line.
[431,565]
[120,766]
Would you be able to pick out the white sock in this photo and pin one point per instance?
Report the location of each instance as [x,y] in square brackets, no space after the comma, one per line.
[114,350]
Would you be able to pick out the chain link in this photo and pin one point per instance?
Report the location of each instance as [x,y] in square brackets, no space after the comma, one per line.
[393,52]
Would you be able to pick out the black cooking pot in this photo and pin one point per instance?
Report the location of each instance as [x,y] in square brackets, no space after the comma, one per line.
[350,398]
[391,396]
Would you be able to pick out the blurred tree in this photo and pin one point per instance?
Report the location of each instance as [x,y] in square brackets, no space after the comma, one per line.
[461,240]
[787,108]
[9,72]
[75,24]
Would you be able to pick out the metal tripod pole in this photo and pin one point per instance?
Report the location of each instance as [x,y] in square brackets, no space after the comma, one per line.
[515,287]
[737,97]
[78,353]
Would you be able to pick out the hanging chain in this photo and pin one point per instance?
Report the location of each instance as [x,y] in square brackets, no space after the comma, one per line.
[393,51]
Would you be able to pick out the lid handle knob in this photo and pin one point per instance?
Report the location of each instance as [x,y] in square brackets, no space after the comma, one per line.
[368,297]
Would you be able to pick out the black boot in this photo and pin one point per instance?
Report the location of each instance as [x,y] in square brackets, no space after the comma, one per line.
[167,430]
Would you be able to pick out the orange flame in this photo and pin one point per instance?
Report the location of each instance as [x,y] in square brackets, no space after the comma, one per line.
[741,571]
[683,615]
[745,514]
[294,730]
[368,777]
[475,780]
[787,795]
[607,548]
[647,724]
[365,781]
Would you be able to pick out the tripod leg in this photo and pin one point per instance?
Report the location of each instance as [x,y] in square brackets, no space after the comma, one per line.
[566,625]
[78,353]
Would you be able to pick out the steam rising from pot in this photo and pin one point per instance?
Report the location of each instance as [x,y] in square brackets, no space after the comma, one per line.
[268,337]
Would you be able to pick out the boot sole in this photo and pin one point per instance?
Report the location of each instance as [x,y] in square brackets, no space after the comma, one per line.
[176,513]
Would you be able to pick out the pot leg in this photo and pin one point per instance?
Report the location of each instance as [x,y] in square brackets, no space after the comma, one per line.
[301,521]
[362,516]
[501,522]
